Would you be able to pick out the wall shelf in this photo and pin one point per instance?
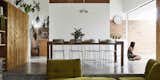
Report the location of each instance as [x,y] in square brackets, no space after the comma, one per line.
[2,31]
[1,59]
[5,17]
[2,45]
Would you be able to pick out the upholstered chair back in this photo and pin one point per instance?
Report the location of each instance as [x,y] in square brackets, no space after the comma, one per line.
[154,74]
[63,68]
[149,65]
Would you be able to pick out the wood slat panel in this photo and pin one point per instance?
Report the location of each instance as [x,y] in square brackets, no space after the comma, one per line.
[79,1]
[17,37]
[158,31]
[65,1]
[43,47]
[97,1]
[10,40]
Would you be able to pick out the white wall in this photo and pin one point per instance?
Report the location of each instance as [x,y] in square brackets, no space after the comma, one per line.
[116,8]
[131,4]
[63,17]
[142,13]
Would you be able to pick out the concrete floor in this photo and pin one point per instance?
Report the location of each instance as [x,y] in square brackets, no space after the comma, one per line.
[0,76]
[89,68]
[95,67]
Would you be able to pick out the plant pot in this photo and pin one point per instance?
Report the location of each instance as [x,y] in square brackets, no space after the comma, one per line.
[78,40]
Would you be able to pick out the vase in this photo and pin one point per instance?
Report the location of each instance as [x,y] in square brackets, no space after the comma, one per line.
[78,40]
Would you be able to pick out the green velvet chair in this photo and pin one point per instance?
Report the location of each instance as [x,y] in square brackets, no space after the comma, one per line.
[63,68]
[154,74]
[150,64]
[98,78]
[68,70]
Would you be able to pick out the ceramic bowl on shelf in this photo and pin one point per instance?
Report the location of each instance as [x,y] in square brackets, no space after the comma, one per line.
[89,41]
[75,41]
[106,41]
[58,40]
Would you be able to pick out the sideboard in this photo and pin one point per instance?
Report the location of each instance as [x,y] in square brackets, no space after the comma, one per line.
[85,51]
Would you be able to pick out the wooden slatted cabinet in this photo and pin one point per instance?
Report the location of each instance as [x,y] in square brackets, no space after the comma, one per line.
[14,47]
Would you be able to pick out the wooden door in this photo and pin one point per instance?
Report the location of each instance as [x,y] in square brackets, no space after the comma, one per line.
[43,47]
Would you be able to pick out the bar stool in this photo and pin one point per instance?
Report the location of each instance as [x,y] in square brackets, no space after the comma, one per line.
[76,50]
[91,52]
[106,51]
[58,48]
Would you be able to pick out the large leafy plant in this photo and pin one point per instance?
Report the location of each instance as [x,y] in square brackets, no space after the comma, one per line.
[77,34]
[28,7]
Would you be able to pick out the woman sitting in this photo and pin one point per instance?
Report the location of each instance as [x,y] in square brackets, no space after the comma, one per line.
[131,55]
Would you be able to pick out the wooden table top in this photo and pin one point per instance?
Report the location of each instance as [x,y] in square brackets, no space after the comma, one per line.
[103,43]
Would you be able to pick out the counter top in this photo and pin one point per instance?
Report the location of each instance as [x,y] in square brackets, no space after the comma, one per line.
[102,43]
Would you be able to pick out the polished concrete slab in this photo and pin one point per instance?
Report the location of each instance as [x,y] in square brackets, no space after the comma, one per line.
[90,68]
[31,71]
[37,71]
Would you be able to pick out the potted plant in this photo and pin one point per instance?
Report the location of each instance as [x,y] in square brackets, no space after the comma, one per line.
[28,7]
[116,36]
[77,34]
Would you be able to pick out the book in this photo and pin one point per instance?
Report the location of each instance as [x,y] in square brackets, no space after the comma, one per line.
[0,38]
[1,10]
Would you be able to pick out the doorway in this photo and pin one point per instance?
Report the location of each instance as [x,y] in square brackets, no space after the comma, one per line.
[142,30]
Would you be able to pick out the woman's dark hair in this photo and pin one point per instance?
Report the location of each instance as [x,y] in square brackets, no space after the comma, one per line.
[132,44]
